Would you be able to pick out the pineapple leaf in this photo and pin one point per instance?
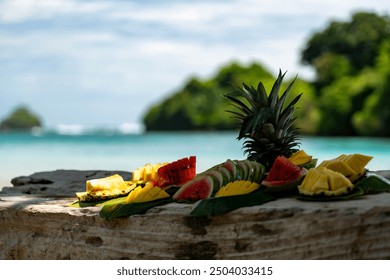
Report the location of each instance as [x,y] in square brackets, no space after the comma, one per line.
[250,94]
[236,114]
[274,95]
[263,100]
[261,118]
[239,104]
[246,126]
[293,102]
[281,100]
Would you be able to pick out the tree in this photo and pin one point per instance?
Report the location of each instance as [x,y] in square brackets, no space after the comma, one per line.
[357,41]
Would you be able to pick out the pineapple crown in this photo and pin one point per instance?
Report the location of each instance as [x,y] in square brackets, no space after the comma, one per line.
[265,123]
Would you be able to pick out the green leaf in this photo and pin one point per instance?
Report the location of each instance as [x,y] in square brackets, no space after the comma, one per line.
[219,205]
[274,95]
[116,210]
[262,95]
[373,183]
[280,103]
[82,204]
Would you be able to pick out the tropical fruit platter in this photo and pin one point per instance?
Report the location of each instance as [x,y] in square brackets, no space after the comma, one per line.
[274,168]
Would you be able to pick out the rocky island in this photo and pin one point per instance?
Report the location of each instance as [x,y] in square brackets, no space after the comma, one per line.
[21,119]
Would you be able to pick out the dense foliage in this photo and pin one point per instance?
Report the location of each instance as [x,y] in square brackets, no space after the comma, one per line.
[200,104]
[20,119]
[352,64]
[349,96]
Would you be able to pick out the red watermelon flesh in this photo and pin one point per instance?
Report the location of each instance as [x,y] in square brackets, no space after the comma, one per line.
[177,173]
[199,188]
[283,171]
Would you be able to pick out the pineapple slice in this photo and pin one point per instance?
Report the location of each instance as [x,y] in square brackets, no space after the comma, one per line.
[146,193]
[322,180]
[147,173]
[339,166]
[300,158]
[105,188]
[238,187]
[352,166]
[357,162]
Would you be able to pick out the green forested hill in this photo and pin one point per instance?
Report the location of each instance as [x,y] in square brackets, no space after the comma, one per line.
[349,96]
[200,105]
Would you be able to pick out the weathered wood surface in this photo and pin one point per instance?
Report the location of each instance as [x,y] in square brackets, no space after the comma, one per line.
[36,227]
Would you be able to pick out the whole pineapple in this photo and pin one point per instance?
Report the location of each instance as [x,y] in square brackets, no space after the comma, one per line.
[266,123]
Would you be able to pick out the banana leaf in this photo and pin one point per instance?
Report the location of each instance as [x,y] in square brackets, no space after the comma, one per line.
[82,204]
[374,183]
[219,205]
[116,210]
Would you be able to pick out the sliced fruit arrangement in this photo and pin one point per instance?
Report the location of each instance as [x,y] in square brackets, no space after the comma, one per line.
[302,159]
[147,193]
[209,182]
[147,173]
[283,176]
[352,166]
[105,188]
[323,181]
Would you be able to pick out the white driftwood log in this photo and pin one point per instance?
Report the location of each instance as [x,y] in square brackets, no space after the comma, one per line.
[36,227]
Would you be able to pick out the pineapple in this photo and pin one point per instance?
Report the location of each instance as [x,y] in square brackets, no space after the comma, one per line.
[325,181]
[105,188]
[266,124]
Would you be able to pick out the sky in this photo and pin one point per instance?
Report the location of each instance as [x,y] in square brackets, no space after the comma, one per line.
[103,63]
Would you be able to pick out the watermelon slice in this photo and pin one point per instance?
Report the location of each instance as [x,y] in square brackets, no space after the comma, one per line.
[199,188]
[284,175]
[176,173]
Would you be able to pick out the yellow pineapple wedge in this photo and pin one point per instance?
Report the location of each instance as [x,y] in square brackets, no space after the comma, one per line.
[322,180]
[146,193]
[105,188]
[300,158]
[238,187]
[146,173]
[351,166]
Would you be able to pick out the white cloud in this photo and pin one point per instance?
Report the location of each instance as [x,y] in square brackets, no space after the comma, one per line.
[22,10]
[94,51]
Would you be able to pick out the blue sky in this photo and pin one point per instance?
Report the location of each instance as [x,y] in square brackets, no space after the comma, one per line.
[104,62]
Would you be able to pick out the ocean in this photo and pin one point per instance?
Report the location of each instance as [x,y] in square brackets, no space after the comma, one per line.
[24,154]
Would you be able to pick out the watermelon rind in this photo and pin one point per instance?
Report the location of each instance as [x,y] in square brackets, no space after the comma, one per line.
[259,171]
[234,171]
[200,187]
[227,176]
[217,178]
[244,170]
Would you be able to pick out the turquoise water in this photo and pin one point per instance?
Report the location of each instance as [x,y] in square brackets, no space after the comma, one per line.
[24,154]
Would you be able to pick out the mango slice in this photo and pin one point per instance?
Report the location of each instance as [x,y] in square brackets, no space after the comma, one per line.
[146,193]
[300,158]
[238,187]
